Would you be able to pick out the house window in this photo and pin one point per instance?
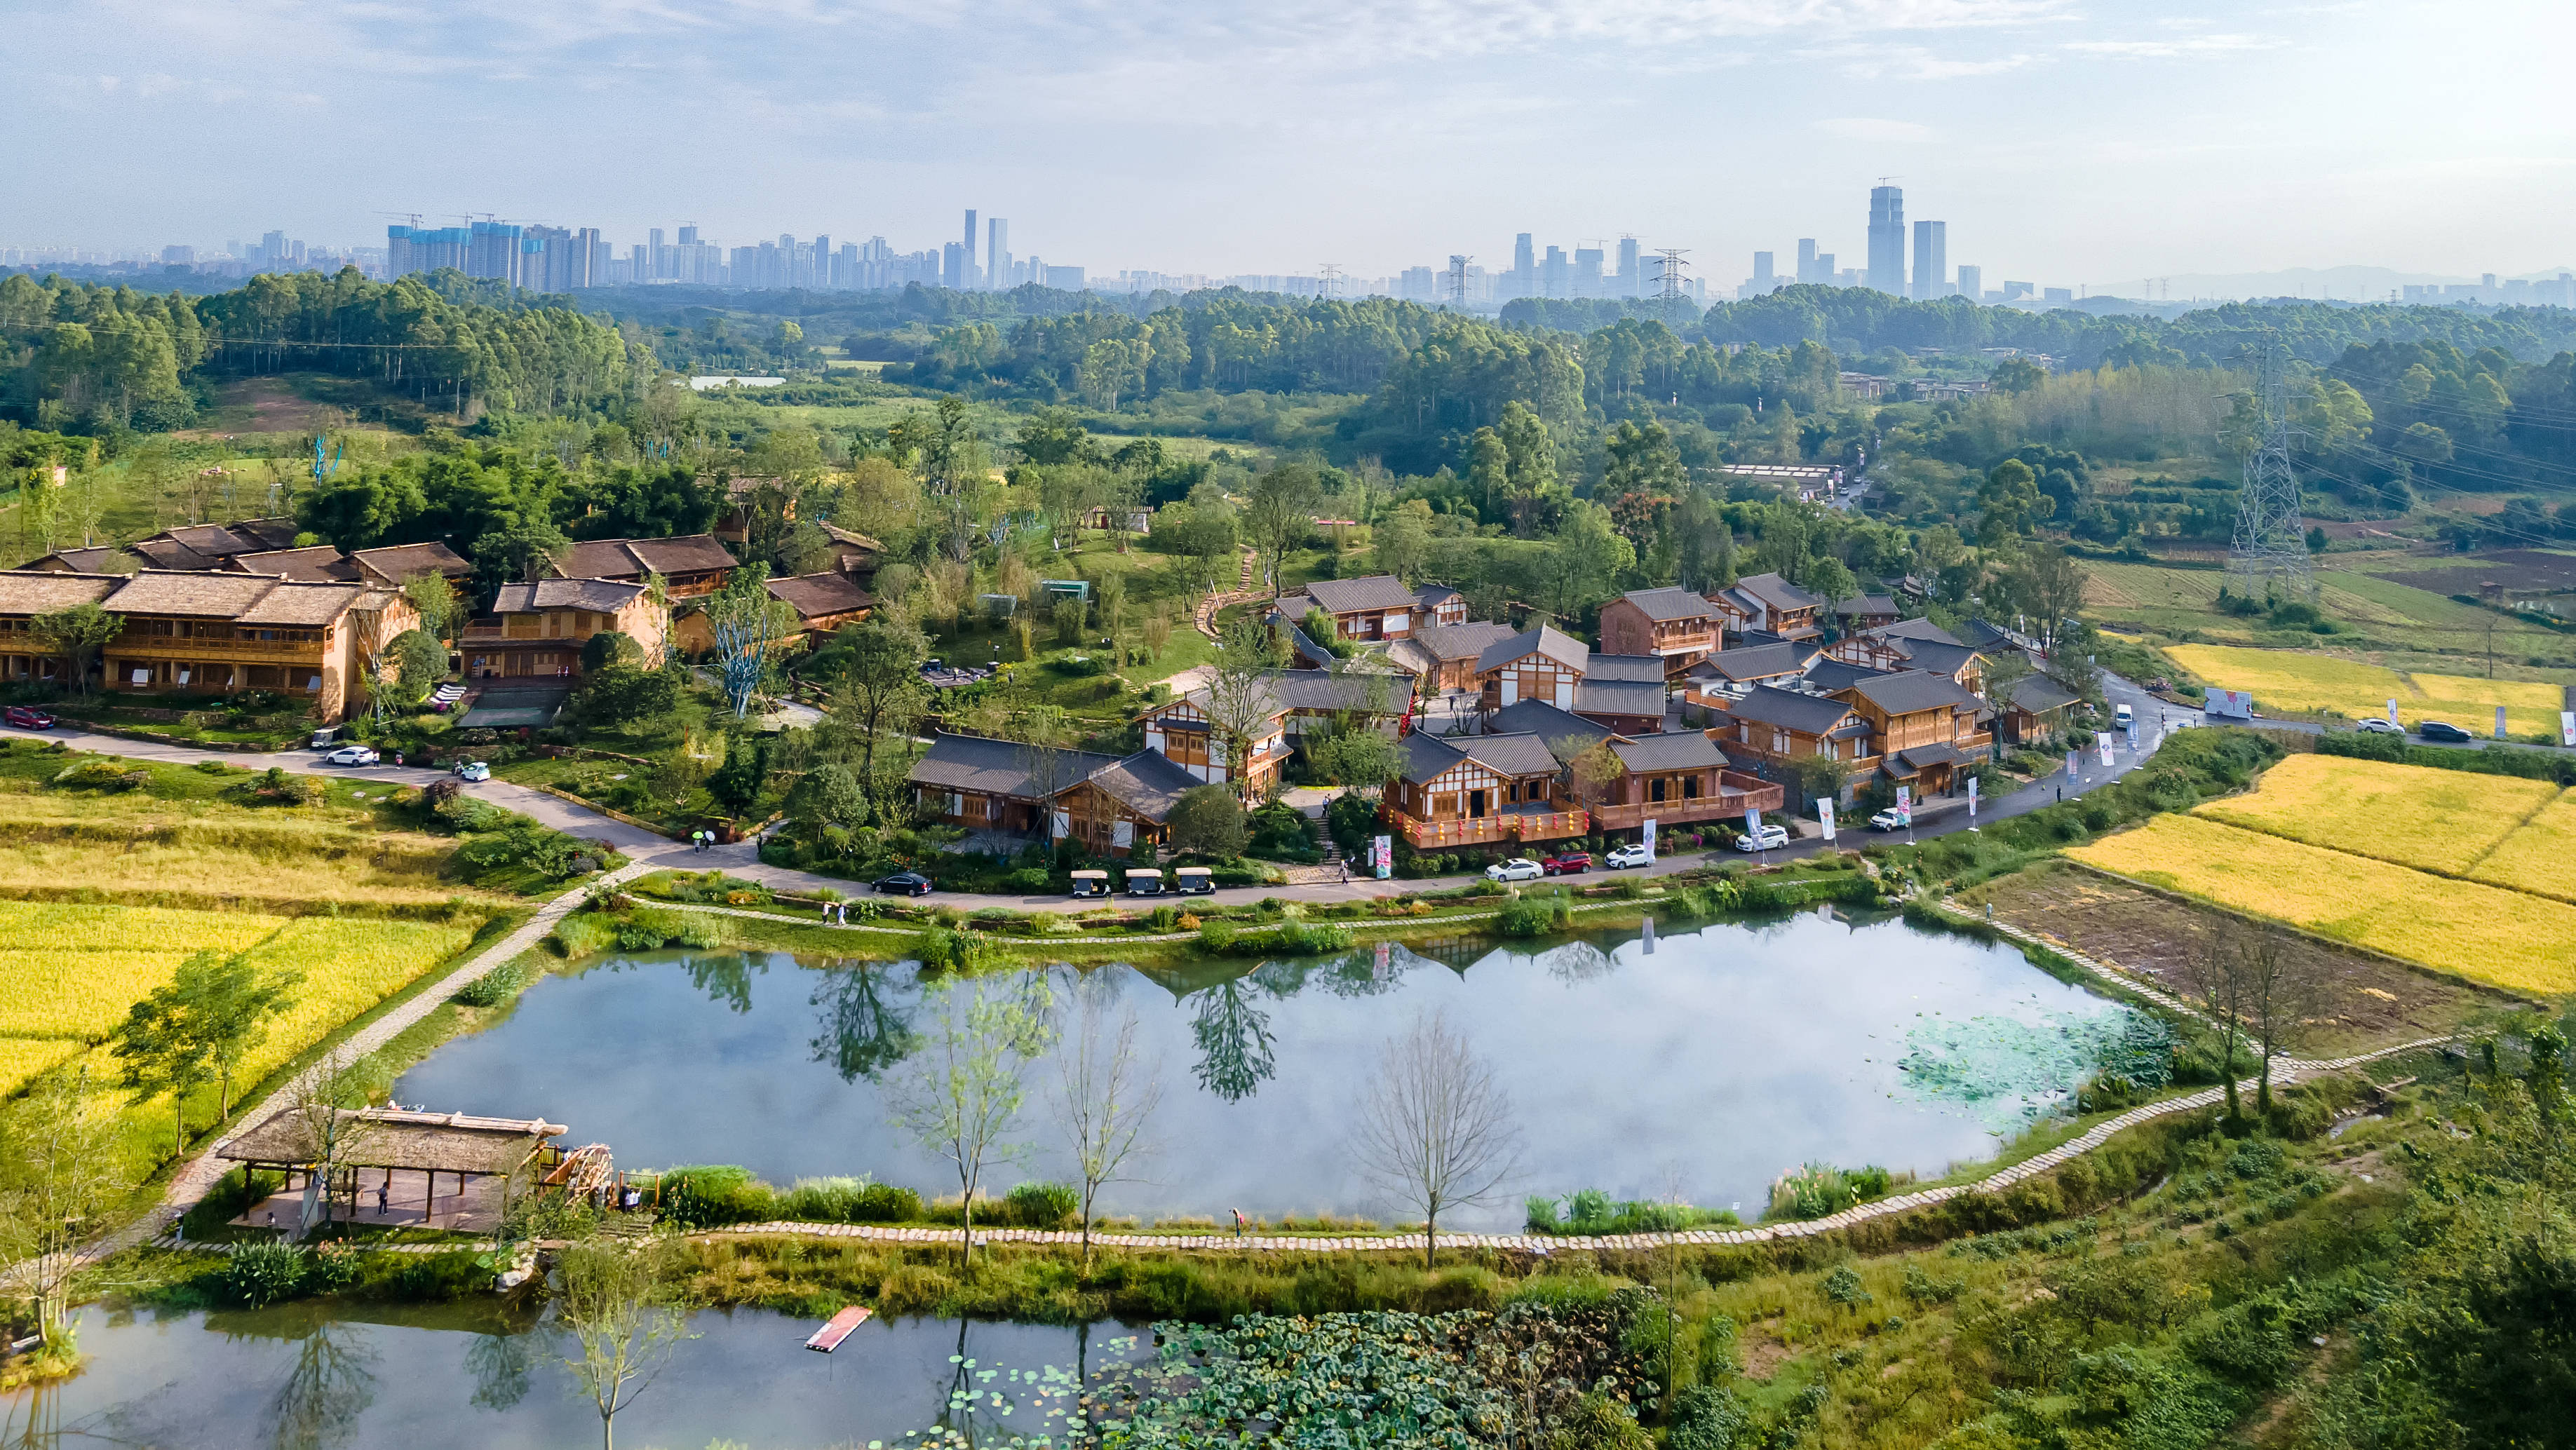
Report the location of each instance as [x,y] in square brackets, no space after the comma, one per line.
[1690,787]
[1655,789]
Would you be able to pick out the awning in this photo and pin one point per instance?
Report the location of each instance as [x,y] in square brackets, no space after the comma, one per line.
[1923,757]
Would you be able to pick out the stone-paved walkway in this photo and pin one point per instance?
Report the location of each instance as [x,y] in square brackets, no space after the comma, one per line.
[2100,1133]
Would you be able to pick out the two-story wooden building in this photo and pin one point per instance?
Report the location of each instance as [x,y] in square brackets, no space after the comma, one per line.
[1625,692]
[1912,644]
[1922,726]
[1112,806]
[191,548]
[1283,709]
[1442,659]
[1376,607]
[1727,674]
[823,603]
[1537,664]
[1671,776]
[1772,725]
[1123,808]
[1675,626]
[691,565]
[1771,604]
[1467,789]
[536,631]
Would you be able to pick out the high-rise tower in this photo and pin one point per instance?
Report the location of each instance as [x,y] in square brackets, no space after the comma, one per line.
[966,255]
[1524,266]
[997,253]
[1931,260]
[1887,240]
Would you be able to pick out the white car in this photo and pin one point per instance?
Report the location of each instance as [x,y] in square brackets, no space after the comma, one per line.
[1765,839]
[350,755]
[2379,725]
[473,770]
[1623,857]
[1887,820]
[1515,869]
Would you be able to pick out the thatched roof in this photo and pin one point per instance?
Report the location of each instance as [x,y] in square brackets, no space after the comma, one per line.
[395,1138]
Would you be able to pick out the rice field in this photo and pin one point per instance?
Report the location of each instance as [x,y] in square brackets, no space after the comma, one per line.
[218,860]
[2293,681]
[23,1059]
[2540,858]
[2488,934]
[2433,820]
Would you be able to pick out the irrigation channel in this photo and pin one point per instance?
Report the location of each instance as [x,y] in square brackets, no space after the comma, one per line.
[302,1377]
[1699,1067]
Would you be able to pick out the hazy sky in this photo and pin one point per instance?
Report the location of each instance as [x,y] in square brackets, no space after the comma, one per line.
[2062,141]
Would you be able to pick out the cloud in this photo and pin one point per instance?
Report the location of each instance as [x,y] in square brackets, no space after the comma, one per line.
[1873,128]
[2200,45]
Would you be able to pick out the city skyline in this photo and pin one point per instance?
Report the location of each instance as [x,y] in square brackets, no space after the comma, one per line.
[2076,143]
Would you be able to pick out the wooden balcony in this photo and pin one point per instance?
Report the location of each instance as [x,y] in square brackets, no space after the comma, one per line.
[1736,794]
[189,646]
[1474,830]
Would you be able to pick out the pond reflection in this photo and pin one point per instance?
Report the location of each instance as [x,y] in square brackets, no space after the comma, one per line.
[1709,1066]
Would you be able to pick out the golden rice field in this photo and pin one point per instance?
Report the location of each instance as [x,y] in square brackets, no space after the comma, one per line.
[2291,681]
[2541,857]
[218,859]
[23,1058]
[2487,934]
[2435,820]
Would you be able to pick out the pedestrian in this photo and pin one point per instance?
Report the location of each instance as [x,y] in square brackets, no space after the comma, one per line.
[841,912]
[1238,1221]
[827,911]
[383,1192]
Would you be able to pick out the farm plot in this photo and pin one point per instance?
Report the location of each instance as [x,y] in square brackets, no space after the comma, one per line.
[2539,858]
[2433,820]
[2298,682]
[2484,933]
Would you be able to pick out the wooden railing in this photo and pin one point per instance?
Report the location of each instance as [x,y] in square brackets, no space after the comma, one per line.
[1473,830]
[158,645]
[1736,794]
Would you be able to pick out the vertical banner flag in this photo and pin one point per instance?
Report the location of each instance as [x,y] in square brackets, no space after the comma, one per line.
[2073,764]
[1647,835]
[1825,813]
[2105,742]
[1972,797]
[1385,855]
[2567,728]
[2392,712]
[1905,806]
[1753,824]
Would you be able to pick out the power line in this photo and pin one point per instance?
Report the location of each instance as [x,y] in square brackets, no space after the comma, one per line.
[2271,544]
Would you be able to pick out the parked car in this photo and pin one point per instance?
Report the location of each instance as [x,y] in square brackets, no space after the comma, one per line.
[1566,863]
[2122,718]
[905,883]
[2380,725]
[326,737]
[1516,869]
[27,717]
[1088,883]
[1193,880]
[2444,731]
[1145,881]
[351,755]
[1623,857]
[1887,820]
[470,771]
[1765,839]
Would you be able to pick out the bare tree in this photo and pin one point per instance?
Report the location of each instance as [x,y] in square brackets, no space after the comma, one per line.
[58,1172]
[622,1321]
[1239,698]
[2217,977]
[2281,988]
[325,1099]
[961,1092]
[1106,1100]
[1435,1127]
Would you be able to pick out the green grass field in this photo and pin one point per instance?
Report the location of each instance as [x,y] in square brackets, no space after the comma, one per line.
[2395,623]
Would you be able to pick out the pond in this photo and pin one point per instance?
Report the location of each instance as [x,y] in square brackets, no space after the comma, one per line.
[309,1377]
[1700,1066]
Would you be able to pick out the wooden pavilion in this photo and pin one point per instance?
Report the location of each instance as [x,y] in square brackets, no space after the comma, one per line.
[478,1156]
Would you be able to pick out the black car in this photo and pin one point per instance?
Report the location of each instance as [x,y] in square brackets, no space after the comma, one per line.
[906,883]
[2442,731]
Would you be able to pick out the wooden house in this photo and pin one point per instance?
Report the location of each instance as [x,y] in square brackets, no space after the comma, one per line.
[1912,644]
[1376,607]
[1675,626]
[1442,659]
[195,548]
[823,603]
[1773,725]
[1678,776]
[1625,692]
[536,631]
[692,565]
[1286,705]
[1537,664]
[1727,674]
[395,565]
[2034,706]
[996,785]
[1466,789]
[94,559]
[1776,606]
[1122,808]
[1923,726]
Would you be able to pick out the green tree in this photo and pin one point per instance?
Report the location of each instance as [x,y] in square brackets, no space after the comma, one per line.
[961,1093]
[232,1006]
[610,647]
[1359,757]
[1641,460]
[59,1174]
[624,694]
[164,1047]
[735,786]
[1529,466]
[881,678]
[2015,376]
[1056,435]
[75,634]
[1403,539]
[1207,820]
[1106,1099]
[622,1320]
[419,661]
[1588,556]
[1831,581]
[1279,511]
[2009,503]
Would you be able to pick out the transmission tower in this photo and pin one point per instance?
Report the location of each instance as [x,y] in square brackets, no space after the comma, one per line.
[1458,280]
[2271,547]
[1332,280]
[1671,292]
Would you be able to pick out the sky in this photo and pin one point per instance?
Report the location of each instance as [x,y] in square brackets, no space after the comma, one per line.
[2063,141]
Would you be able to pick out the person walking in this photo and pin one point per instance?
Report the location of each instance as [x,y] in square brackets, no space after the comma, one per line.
[1238,1221]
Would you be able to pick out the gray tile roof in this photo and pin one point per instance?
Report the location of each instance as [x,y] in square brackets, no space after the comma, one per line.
[1379,592]
[605,596]
[978,766]
[1462,641]
[1665,605]
[1619,697]
[1548,723]
[1809,714]
[1325,690]
[1759,662]
[1933,655]
[635,558]
[1426,755]
[1624,667]
[317,563]
[819,596]
[1564,649]
[1513,755]
[1921,756]
[1430,595]
[1909,691]
[1146,782]
[1915,629]
[1775,592]
[1671,750]
[400,563]
[1829,675]
[2039,694]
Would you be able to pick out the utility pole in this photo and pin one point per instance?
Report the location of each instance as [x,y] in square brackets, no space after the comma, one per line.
[1458,280]
[1332,273]
[1671,293]
[2270,551]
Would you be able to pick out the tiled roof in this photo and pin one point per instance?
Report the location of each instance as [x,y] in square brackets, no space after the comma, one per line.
[1665,605]
[270,533]
[400,563]
[1671,750]
[1757,662]
[1327,690]
[997,767]
[1939,658]
[1564,649]
[1633,698]
[1908,691]
[1556,727]
[1828,675]
[198,593]
[34,591]
[817,596]
[606,596]
[1978,634]
[1513,755]
[1870,605]
[1915,629]
[1431,595]
[1811,714]
[2038,694]
[1462,641]
[841,535]
[634,558]
[214,541]
[1426,755]
[318,564]
[307,605]
[170,554]
[1631,668]
[1775,592]
[1380,592]
[1146,782]
[1412,657]
[1926,755]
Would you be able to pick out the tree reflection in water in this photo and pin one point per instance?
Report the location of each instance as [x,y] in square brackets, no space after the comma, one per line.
[725,977]
[1578,962]
[864,1032]
[1233,1038]
[500,1364]
[331,1385]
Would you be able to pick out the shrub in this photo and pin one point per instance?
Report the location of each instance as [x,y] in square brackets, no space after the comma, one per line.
[712,1196]
[264,1273]
[650,927]
[102,773]
[1525,917]
[1042,1205]
[494,987]
[1217,936]
[586,932]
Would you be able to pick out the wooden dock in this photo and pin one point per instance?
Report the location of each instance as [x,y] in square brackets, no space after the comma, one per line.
[829,1337]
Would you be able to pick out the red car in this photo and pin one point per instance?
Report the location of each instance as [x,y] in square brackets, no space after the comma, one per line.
[1569,864]
[27,718]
